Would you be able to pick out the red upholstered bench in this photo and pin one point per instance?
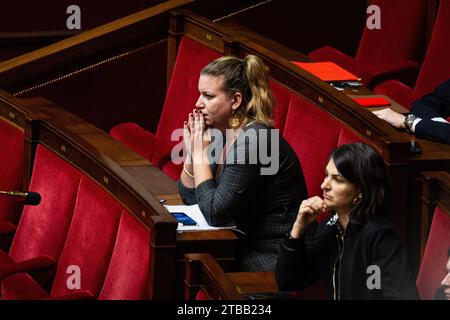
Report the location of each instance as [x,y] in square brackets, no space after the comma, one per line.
[86,254]
[105,244]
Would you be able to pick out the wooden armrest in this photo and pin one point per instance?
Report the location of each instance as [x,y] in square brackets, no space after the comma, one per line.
[204,273]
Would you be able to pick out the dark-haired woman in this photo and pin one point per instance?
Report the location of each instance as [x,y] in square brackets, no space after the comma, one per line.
[356,253]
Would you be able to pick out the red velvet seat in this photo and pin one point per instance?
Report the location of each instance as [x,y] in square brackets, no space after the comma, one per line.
[11,171]
[313,135]
[282,97]
[128,272]
[88,247]
[389,52]
[346,136]
[432,267]
[181,97]
[435,67]
[42,230]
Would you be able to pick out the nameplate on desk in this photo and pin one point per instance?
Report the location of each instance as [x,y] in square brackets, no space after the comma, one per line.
[195,213]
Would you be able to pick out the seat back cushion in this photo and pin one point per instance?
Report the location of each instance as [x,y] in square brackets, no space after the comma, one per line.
[182,93]
[433,266]
[43,228]
[128,272]
[402,32]
[313,134]
[436,65]
[90,241]
[282,97]
[347,136]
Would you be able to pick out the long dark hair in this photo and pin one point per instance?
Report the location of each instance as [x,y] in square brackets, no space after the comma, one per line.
[361,165]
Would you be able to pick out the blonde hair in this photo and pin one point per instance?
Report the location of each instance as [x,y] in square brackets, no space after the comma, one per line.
[247,76]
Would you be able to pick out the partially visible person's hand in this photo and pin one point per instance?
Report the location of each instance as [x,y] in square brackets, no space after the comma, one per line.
[393,118]
[308,212]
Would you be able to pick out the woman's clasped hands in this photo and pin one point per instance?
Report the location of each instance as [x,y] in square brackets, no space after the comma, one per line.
[197,138]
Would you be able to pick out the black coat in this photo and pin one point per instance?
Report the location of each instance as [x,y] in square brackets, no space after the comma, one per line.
[316,255]
[433,105]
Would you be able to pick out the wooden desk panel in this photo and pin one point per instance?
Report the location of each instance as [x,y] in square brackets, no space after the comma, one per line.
[253,282]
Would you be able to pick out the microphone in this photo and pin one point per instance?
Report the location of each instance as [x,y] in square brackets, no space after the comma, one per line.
[28,197]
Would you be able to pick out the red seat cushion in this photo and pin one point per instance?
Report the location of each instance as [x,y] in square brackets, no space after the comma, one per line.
[313,134]
[128,272]
[90,241]
[433,265]
[397,91]
[282,97]
[172,170]
[201,295]
[149,146]
[346,136]
[22,286]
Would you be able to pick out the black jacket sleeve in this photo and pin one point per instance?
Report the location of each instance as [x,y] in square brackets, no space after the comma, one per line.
[390,256]
[295,268]
[435,104]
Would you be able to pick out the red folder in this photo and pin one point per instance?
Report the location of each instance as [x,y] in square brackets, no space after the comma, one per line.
[327,71]
[372,101]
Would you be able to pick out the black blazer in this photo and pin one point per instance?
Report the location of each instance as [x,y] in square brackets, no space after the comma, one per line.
[435,104]
[345,267]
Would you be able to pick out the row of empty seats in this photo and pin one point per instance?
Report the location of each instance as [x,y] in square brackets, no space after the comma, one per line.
[387,57]
[78,243]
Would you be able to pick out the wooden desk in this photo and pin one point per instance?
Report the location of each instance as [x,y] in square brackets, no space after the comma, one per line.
[221,244]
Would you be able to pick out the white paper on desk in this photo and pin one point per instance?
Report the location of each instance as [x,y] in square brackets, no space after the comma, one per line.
[195,213]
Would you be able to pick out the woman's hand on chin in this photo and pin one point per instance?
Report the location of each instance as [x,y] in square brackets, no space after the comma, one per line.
[308,213]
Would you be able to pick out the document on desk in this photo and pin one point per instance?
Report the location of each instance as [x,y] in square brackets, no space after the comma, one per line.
[195,213]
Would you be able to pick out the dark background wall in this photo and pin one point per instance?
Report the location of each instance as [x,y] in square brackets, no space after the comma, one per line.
[120,91]
[307,25]
[44,15]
